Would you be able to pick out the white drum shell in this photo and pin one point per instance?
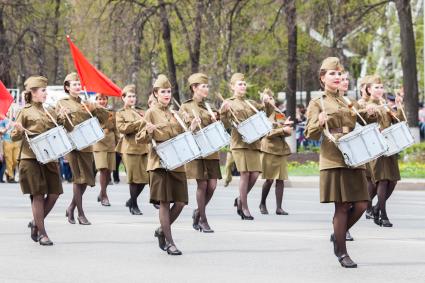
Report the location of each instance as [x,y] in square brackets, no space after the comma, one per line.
[212,138]
[51,145]
[398,137]
[255,127]
[86,133]
[178,151]
[362,145]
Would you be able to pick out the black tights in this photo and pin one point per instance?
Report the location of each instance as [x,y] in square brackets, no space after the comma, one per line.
[204,193]
[371,188]
[279,192]
[384,191]
[167,216]
[135,190]
[77,199]
[246,183]
[41,206]
[104,179]
[346,215]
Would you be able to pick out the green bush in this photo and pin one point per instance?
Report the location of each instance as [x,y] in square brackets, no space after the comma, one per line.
[415,153]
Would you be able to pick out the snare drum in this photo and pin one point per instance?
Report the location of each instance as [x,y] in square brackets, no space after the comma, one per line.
[212,138]
[86,133]
[51,145]
[255,127]
[362,145]
[398,137]
[178,151]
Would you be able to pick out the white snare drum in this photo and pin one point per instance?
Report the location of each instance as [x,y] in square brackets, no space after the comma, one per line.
[51,145]
[86,133]
[255,127]
[362,145]
[212,138]
[178,151]
[398,137]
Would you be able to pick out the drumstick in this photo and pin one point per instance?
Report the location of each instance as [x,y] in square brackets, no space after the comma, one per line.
[200,127]
[252,106]
[327,133]
[209,110]
[230,108]
[176,102]
[351,106]
[50,116]
[402,109]
[391,113]
[66,114]
[12,123]
[179,120]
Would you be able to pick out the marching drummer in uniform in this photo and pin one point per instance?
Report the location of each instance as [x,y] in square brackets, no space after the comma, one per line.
[41,181]
[80,161]
[247,156]
[371,187]
[134,155]
[385,170]
[104,150]
[344,186]
[167,186]
[206,170]
[274,153]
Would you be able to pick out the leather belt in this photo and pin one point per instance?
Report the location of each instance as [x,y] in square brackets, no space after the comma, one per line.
[343,130]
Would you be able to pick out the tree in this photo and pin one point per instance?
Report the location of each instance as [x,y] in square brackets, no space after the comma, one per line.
[291,89]
[408,61]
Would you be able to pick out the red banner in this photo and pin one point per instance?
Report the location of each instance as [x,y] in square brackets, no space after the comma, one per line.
[6,100]
[91,78]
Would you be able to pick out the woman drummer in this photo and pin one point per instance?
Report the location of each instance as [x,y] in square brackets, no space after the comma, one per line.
[167,186]
[274,153]
[247,156]
[346,187]
[134,155]
[104,150]
[385,170]
[80,161]
[205,170]
[41,181]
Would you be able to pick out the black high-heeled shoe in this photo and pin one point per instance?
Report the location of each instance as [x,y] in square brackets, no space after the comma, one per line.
[195,218]
[128,203]
[70,217]
[246,217]
[386,223]
[238,210]
[204,227]
[376,217]
[174,251]
[369,214]
[348,236]
[161,238]
[43,240]
[346,261]
[135,210]
[263,209]
[34,232]
[82,220]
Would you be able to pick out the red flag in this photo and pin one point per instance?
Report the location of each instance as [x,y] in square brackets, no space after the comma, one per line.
[6,100]
[91,78]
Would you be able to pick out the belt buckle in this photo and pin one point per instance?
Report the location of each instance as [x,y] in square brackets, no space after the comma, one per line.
[345,130]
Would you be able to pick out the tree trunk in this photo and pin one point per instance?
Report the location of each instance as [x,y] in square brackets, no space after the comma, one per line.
[166,36]
[408,61]
[4,54]
[291,24]
[55,47]
[197,42]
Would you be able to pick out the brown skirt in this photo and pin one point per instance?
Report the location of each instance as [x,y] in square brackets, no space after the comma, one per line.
[385,168]
[203,169]
[275,167]
[368,170]
[135,166]
[104,160]
[168,186]
[39,179]
[343,185]
[247,160]
[81,164]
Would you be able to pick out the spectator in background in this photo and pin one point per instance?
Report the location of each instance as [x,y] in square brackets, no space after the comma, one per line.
[300,120]
[422,120]
[10,149]
[65,170]
[391,101]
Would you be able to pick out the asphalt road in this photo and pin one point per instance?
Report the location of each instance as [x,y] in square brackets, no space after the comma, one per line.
[120,247]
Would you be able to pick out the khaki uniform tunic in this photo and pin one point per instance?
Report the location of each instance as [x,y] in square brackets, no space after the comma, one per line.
[338,182]
[274,151]
[247,156]
[81,161]
[385,167]
[166,186]
[104,150]
[134,155]
[204,168]
[36,178]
